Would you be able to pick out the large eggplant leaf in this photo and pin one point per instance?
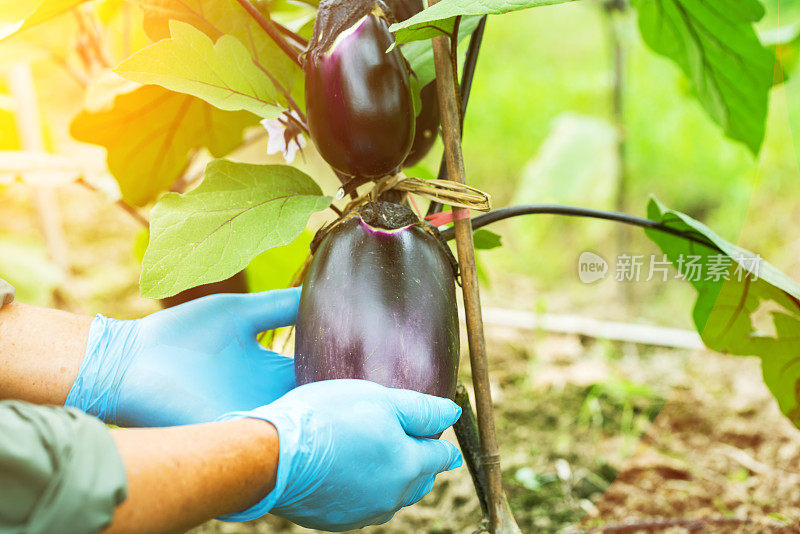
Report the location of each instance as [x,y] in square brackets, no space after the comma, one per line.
[440,18]
[222,74]
[734,289]
[715,44]
[277,267]
[419,54]
[150,133]
[239,211]
[216,18]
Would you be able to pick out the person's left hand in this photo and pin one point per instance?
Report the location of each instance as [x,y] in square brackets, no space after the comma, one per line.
[188,364]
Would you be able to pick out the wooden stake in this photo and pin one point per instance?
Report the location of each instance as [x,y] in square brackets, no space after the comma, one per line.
[447,87]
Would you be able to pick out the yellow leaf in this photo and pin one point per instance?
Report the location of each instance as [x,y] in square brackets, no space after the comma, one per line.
[150,133]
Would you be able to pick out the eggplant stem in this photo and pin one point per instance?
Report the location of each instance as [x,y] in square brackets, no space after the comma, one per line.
[269,27]
[575,211]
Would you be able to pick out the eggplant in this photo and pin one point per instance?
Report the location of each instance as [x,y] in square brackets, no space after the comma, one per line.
[358,97]
[427,123]
[379,303]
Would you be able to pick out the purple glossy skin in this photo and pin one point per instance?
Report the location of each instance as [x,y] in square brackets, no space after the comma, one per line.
[359,104]
[379,305]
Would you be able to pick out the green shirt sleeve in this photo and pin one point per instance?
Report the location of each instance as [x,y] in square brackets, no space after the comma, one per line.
[59,471]
[6,293]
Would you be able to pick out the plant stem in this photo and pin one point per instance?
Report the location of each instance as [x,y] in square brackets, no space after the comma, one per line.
[303,122]
[447,86]
[467,76]
[268,26]
[466,429]
[135,214]
[574,211]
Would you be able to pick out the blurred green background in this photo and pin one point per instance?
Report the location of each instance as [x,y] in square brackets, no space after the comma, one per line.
[538,129]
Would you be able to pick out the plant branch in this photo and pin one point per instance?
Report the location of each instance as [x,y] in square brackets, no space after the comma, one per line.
[269,27]
[574,211]
[124,206]
[447,88]
[467,76]
[303,123]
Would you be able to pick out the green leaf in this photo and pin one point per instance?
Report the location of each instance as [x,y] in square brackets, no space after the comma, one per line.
[716,46]
[736,289]
[239,211]
[216,18]
[277,267]
[222,74]
[486,239]
[419,54]
[150,133]
[440,18]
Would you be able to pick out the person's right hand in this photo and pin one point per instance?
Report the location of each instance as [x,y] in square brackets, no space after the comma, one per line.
[350,455]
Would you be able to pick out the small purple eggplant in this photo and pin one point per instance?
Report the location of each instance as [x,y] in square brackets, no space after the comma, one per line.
[358,96]
[379,304]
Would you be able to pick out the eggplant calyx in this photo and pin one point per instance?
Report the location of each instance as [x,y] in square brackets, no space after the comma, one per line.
[337,16]
[387,215]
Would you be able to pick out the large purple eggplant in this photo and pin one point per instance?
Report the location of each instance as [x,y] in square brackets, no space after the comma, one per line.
[358,96]
[379,304]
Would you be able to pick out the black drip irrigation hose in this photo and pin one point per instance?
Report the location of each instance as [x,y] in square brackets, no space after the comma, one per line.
[470,62]
[573,211]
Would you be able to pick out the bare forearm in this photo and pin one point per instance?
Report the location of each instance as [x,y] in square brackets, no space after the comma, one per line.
[41,352]
[180,477]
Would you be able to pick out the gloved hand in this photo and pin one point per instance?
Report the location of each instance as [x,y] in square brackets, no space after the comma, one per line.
[188,364]
[348,452]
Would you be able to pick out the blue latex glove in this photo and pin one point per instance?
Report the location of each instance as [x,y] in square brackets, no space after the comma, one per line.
[348,455]
[188,364]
